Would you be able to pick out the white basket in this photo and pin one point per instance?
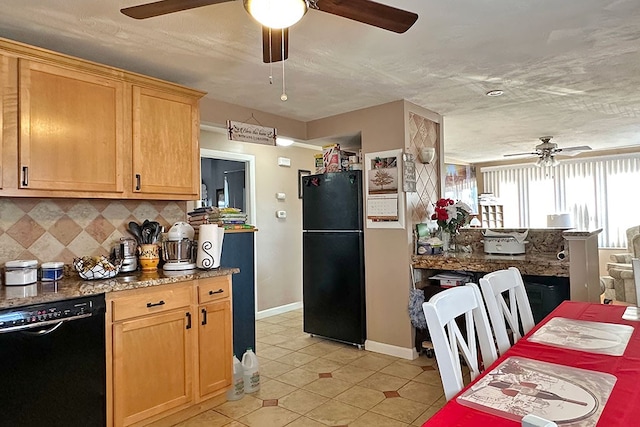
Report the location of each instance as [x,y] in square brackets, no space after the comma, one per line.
[96,268]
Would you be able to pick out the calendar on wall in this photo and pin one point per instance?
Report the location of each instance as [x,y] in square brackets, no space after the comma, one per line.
[385,201]
[382,208]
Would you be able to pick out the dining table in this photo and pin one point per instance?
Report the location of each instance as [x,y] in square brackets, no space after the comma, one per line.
[607,380]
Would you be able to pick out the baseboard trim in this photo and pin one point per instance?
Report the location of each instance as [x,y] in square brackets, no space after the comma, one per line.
[278,310]
[391,350]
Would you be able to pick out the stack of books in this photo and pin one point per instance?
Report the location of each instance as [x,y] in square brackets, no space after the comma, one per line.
[228,218]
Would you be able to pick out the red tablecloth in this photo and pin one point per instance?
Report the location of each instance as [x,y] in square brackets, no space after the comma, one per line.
[623,406]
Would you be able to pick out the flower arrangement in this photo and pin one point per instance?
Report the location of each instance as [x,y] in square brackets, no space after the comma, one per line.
[451,215]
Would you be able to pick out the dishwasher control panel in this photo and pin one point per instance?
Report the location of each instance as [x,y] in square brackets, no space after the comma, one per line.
[52,312]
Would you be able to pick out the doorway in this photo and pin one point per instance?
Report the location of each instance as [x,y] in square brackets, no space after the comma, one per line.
[228,180]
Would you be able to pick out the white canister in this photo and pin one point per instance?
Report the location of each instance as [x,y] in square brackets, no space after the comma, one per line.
[21,272]
[52,271]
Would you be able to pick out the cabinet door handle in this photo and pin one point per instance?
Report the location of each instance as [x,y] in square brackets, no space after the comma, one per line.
[25,176]
[188,320]
[137,182]
[155,304]
[219,291]
[204,316]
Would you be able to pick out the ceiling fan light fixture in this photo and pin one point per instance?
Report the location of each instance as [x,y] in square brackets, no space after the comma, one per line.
[276,14]
[546,160]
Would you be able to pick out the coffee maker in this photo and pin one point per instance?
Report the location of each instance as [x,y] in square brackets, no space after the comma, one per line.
[126,250]
[179,248]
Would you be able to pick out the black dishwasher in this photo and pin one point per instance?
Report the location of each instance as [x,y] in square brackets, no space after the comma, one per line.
[52,364]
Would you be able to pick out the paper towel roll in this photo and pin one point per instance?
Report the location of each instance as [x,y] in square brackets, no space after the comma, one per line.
[210,238]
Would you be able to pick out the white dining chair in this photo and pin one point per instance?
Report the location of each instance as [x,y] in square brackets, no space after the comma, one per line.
[635,265]
[441,312]
[518,312]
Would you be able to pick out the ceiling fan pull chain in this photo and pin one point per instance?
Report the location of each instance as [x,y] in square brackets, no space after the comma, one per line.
[270,58]
[284,96]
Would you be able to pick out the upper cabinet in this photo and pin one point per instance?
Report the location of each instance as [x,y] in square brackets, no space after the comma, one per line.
[73,128]
[166,154]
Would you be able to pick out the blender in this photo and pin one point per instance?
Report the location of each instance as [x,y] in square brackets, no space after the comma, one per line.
[178,249]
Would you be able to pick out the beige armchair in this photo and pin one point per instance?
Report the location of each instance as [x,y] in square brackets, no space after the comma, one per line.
[619,285]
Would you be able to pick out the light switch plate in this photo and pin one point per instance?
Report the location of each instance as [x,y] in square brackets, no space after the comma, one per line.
[281,196]
[281,214]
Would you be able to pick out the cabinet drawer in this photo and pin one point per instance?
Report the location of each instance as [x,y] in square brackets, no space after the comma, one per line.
[214,288]
[150,302]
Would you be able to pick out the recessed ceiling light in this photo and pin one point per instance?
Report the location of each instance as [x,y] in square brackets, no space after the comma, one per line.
[496,92]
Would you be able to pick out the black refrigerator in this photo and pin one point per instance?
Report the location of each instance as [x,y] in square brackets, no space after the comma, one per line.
[333,289]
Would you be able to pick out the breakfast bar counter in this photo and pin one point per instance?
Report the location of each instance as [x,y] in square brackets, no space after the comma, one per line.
[528,264]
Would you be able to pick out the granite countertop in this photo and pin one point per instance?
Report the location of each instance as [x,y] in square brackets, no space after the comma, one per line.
[529,264]
[73,286]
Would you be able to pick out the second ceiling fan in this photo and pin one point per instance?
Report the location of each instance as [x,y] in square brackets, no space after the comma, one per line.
[275,41]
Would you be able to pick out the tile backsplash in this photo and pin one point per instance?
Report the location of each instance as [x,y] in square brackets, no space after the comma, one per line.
[61,229]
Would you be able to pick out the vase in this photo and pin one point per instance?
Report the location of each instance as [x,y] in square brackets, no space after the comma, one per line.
[449,243]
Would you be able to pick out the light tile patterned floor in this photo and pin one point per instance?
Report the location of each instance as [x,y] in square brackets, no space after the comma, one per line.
[311,382]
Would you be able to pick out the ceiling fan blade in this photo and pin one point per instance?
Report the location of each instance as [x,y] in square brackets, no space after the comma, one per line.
[580,148]
[572,151]
[163,7]
[520,154]
[371,13]
[272,44]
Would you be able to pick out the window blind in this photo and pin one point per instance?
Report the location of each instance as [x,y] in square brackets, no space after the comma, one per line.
[600,192]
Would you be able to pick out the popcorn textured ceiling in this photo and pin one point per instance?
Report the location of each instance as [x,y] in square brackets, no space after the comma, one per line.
[570,69]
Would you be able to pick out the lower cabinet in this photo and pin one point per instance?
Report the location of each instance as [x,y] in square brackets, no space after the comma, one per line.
[152,365]
[169,350]
[214,357]
[215,344]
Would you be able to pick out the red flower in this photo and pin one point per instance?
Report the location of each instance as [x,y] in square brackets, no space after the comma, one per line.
[441,203]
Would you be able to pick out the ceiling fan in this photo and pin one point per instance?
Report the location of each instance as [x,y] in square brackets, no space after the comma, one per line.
[547,150]
[275,36]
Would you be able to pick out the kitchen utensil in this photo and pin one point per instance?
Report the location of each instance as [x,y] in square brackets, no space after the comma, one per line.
[134,228]
[175,251]
[126,250]
[178,250]
[181,230]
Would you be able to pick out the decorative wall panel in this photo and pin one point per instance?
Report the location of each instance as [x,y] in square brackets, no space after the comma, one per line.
[423,133]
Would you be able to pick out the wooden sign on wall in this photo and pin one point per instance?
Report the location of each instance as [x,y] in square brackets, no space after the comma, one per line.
[239,131]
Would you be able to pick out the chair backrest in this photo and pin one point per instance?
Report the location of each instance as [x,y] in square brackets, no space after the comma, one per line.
[517,312]
[441,312]
[635,264]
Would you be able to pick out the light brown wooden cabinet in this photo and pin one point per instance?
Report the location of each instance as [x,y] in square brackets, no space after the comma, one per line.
[5,103]
[169,351]
[73,128]
[215,335]
[166,156]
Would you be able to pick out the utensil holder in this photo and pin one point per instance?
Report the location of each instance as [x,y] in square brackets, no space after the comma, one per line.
[149,257]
